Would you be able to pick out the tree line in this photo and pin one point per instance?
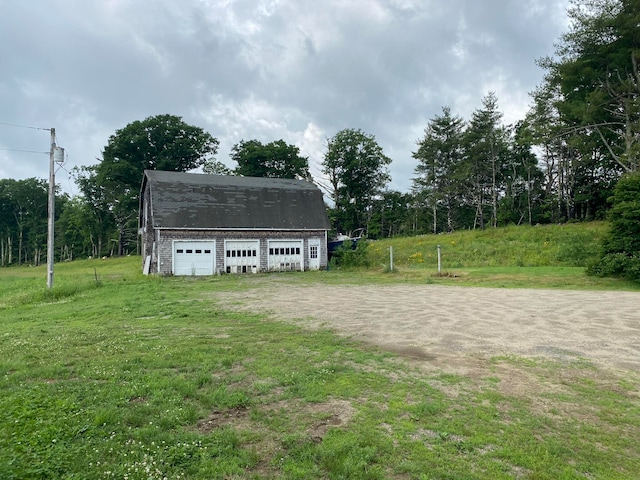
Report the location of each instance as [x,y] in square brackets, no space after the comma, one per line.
[560,163]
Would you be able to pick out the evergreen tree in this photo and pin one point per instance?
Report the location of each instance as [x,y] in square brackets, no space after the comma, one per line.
[391,215]
[586,114]
[621,248]
[485,149]
[597,78]
[439,155]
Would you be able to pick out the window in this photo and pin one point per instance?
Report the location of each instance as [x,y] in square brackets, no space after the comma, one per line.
[271,251]
[180,250]
[198,251]
[207,251]
[297,250]
[189,250]
[313,251]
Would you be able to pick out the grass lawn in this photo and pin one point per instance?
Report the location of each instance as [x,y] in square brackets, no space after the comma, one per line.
[116,375]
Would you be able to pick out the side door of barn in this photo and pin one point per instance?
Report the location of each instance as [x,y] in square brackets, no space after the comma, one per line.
[314,254]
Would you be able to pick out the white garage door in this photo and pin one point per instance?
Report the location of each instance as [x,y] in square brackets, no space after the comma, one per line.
[242,256]
[285,255]
[193,258]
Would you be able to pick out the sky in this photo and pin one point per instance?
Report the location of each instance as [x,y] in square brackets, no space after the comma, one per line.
[297,70]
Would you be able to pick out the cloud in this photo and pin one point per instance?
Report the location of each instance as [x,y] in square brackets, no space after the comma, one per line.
[266,69]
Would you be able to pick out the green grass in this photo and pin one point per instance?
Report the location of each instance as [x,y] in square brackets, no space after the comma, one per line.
[116,375]
[569,245]
[543,256]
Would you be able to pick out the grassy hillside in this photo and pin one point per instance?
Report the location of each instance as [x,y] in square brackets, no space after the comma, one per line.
[549,256]
[568,245]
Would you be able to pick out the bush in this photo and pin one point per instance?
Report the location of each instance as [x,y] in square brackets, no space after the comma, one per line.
[621,247]
[579,251]
[616,265]
[349,255]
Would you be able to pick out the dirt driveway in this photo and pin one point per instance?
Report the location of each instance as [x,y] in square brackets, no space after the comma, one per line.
[453,327]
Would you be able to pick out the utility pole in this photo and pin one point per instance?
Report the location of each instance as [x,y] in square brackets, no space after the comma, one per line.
[56,154]
[52,208]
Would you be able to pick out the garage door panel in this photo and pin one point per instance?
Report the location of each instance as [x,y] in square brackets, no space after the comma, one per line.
[285,255]
[193,258]
[242,256]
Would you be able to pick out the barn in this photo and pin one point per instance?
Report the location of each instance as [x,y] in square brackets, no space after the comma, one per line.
[199,224]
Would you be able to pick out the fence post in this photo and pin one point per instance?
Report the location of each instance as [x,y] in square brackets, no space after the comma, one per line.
[439,260]
[391,259]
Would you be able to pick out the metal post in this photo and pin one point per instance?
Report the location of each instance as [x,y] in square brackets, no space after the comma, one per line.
[52,207]
[391,259]
[439,260]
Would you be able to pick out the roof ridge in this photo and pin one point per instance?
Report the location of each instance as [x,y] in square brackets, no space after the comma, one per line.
[235,180]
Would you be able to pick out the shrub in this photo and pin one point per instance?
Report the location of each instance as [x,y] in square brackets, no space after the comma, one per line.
[621,247]
[616,265]
[349,255]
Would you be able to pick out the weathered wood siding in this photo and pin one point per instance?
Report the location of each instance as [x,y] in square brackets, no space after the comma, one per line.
[165,239]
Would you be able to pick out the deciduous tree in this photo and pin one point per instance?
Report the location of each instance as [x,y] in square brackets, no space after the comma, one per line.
[23,220]
[275,160]
[391,215]
[357,169]
[162,142]
[522,180]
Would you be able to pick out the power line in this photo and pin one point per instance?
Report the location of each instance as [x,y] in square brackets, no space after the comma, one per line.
[24,126]
[18,150]
[69,177]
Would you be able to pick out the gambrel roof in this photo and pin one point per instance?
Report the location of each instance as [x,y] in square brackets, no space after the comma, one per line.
[201,201]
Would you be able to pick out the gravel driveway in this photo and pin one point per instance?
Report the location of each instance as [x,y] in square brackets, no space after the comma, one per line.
[449,327]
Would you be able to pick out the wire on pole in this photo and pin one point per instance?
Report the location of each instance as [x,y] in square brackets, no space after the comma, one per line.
[20,150]
[24,126]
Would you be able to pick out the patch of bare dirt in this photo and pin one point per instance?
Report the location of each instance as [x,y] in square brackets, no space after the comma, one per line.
[333,413]
[320,416]
[237,417]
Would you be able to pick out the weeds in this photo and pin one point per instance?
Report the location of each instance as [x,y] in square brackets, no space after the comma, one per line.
[570,245]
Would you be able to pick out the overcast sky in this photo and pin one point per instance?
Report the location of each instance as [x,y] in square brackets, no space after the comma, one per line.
[298,70]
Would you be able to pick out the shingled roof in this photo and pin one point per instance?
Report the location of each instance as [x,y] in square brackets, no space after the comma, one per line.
[202,201]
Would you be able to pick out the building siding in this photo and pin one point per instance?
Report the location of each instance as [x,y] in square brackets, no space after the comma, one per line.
[165,238]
